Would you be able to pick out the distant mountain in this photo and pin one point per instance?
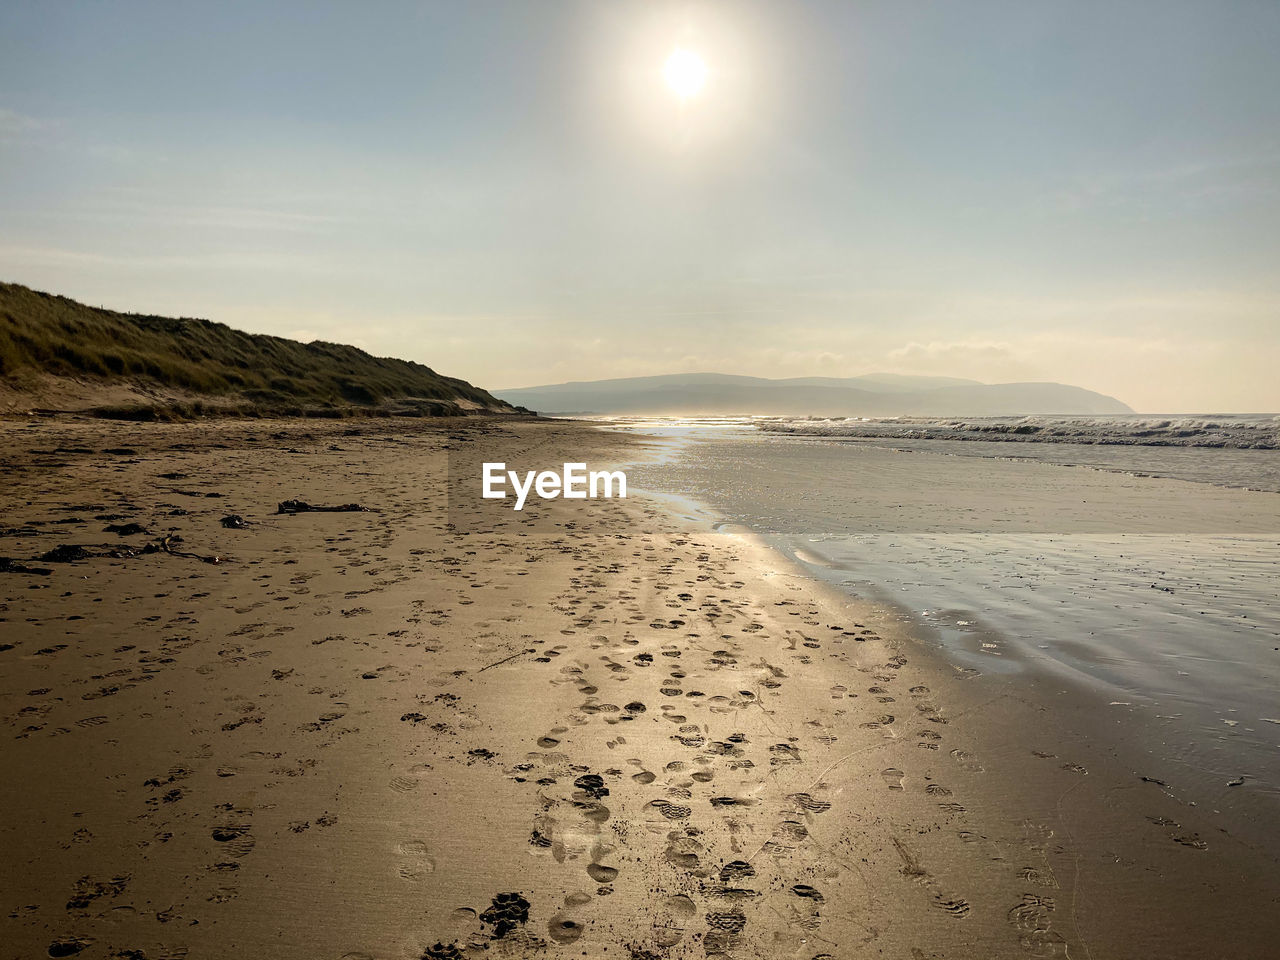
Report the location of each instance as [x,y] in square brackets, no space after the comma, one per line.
[886,382]
[58,354]
[718,394]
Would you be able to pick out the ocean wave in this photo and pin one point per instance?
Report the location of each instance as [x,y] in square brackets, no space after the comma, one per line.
[1239,432]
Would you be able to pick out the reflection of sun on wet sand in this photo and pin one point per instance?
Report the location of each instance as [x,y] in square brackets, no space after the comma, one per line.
[589,727]
[813,558]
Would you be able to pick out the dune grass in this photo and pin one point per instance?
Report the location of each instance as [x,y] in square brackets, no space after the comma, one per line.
[42,333]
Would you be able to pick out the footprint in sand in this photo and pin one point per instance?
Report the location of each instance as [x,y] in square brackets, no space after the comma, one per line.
[957,908]
[602,874]
[1041,876]
[807,892]
[1032,918]
[892,778]
[563,929]
[671,918]
[783,754]
[736,870]
[967,761]
[417,865]
[727,921]
[807,803]
[789,833]
[683,852]
[549,741]
[233,833]
[672,811]
[929,738]
[410,780]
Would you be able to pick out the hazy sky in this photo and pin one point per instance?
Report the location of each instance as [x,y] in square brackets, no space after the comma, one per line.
[1084,192]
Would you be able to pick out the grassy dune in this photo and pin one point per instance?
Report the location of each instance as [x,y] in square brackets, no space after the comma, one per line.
[193,367]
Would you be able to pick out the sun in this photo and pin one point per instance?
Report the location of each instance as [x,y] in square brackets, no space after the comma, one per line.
[685,73]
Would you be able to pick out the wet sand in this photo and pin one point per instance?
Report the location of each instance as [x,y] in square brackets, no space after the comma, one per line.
[428,729]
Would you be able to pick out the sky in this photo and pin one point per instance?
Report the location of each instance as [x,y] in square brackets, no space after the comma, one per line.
[1085,192]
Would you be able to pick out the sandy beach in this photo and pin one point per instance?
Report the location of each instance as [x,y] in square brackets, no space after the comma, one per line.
[595,730]
[639,480]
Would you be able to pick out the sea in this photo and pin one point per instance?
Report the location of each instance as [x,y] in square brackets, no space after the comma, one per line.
[1135,560]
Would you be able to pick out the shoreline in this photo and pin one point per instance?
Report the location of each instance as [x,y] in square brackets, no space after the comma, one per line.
[593,727]
[1120,760]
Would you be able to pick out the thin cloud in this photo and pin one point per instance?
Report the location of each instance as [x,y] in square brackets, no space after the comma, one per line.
[19,126]
[956,350]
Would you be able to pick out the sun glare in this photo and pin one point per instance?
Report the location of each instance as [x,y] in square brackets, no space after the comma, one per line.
[685,73]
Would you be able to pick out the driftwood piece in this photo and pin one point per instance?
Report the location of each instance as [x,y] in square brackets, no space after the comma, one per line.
[301,506]
[15,566]
[71,553]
